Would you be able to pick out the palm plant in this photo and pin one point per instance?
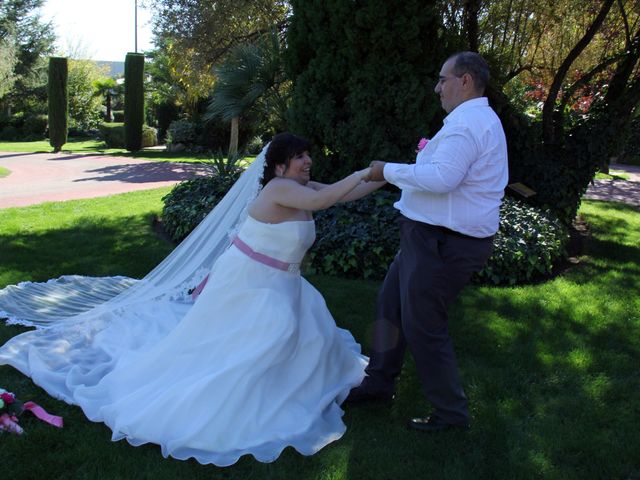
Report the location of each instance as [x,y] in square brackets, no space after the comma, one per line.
[252,77]
[106,88]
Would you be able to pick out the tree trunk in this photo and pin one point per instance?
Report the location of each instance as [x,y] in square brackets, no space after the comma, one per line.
[233,142]
[108,117]
[471,9]
[550,134]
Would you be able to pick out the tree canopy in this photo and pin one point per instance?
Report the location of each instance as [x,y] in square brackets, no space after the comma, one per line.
[25,42]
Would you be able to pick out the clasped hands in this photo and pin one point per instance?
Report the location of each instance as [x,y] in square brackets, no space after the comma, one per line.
[375,172]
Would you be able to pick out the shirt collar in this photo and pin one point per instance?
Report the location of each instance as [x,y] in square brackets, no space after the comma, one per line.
[467,105]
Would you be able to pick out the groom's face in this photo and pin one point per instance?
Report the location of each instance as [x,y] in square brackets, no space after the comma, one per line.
[449,87]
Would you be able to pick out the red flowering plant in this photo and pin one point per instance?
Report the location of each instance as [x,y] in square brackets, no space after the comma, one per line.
[10,409]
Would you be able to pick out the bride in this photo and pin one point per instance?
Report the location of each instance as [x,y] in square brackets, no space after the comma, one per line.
[249,363]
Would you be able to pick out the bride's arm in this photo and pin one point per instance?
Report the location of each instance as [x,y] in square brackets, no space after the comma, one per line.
[289,193]
[357,193]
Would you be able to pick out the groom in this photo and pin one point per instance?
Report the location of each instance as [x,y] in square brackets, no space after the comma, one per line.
[450,211]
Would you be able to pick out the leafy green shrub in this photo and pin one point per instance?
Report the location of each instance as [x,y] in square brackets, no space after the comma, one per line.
[527,246]
[254,145]
[356,239]
[359,240]
[35,125]
[9,133]
[181,131]
[189,202]
[149,136]
[112,134]
[118,116]
[348,99]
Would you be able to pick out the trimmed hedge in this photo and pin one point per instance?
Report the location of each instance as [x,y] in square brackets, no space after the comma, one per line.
[58,102]
[133,100]
[113,135]
[189,202]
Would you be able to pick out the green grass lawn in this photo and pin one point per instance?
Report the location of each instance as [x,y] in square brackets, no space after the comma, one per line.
[4,172]
[612,175]
[551,370]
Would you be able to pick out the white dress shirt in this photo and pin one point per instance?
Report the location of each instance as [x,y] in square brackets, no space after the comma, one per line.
[458,179]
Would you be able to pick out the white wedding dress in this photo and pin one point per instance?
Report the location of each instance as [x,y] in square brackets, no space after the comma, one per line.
[256,364]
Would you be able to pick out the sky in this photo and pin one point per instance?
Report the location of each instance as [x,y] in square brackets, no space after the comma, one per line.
[98,29]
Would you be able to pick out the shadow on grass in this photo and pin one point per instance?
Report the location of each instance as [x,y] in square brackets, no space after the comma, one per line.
[72,250]
[149,172]
[550,371]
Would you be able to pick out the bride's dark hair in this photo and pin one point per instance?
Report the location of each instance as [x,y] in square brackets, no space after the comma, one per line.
[283,147]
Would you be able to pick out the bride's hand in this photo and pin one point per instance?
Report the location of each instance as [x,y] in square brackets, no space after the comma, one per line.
[364,174]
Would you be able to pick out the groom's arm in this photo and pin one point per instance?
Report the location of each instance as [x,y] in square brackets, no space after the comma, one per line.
[357,193]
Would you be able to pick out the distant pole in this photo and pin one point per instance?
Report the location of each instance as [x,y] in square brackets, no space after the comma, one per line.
[136,27]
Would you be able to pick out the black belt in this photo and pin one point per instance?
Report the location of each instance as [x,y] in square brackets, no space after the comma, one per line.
[446,231]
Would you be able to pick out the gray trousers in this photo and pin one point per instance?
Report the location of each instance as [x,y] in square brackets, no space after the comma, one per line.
[425,277]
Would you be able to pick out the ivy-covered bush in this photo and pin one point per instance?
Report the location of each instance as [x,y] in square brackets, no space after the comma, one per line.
[356,239]
[528,244]
[189,202]
[359,240]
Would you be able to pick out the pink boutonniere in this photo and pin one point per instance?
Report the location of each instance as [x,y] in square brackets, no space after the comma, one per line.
[421,144]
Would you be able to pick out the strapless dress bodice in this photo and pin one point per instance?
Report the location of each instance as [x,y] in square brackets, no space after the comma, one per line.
[286,241]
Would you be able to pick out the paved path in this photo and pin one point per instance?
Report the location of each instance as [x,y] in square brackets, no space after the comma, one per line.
[47,177]
[617,190]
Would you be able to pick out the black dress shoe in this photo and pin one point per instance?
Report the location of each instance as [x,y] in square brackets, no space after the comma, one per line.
[360,396]
[433,424]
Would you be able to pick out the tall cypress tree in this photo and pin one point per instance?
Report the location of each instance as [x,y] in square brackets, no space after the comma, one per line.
[58,102]
[364,74]
[133,100]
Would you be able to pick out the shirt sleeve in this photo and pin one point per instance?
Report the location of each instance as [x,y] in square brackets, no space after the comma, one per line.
[442,170]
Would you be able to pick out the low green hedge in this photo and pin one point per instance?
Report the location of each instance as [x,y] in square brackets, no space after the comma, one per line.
[113,135]
[189,202]
[359,239]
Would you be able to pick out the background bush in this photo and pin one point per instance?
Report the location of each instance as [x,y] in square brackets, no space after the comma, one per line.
[133,100]
[349,100]
[112,134]
[9,133]
[181,131]
[189,202]
[360,239]
[149,136]
[356,239]
[118,116]
[35,126]
[58,95]
[528,244]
